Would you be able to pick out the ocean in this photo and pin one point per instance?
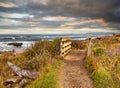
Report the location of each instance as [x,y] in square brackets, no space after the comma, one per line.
[29,39]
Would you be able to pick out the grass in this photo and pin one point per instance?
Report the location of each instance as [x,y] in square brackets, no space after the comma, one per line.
[104,63]
[98,51]
[104,75]
[79,44]
[40,55]
[49,79]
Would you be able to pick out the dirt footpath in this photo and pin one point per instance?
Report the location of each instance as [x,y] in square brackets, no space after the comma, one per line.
[74,73]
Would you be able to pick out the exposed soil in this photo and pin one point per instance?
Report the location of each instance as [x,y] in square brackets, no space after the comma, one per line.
[74,72]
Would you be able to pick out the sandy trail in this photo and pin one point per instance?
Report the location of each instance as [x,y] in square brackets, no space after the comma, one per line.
[74,73]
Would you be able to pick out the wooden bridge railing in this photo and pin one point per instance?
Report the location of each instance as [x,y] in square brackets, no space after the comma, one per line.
[65,46]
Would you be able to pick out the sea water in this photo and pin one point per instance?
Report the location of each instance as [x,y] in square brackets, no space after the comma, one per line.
[29,39]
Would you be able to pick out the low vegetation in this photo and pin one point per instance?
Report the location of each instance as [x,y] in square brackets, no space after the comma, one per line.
[98,51]
[49,79]
[42,57]
[79,44]
[104,62]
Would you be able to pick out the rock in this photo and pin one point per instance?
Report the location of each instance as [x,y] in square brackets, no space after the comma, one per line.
[98,38]
[10,81]
[15,44]
[9,86]
[22,83]
[16,69]
[29,74]
[18,79]
[23,73]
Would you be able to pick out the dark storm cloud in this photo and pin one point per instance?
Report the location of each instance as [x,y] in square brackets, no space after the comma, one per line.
[109,10]
[11,10]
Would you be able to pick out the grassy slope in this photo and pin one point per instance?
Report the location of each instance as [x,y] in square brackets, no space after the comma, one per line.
[104,63]
[36,58]
[50,78]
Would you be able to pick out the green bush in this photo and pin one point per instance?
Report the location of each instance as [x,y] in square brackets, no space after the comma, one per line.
[98,51]
[114,41]
[102,78]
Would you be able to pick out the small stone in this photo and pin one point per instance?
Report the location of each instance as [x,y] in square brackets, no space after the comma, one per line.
[29,74]
[22,83]
[9,86]
[10,81]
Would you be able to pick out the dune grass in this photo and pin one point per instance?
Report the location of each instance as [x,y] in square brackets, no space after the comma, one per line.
[36,58]
[104,63]
[50,78]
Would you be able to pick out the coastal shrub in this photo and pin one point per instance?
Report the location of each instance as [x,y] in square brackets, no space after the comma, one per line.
[40,54]
[29,53]
[104,68]
[53,47]
[79,44]
[115,41]
[89,64]
[32,65]
[36,49]
[36,58]
[37,62]
[98,51]
[105,72]
[102,78]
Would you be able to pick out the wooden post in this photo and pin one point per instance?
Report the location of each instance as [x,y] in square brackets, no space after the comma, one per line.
[89,51]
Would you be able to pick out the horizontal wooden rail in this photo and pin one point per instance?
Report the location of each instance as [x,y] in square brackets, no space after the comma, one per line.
[65,46]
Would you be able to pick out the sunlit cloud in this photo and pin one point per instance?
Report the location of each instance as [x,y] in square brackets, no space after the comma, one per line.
[7,4]
[58,18]
[55,31]
[15,15]
[89,22]
[9,22]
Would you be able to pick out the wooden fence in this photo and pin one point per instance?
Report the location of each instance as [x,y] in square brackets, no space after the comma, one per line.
[89,48]
[65,46]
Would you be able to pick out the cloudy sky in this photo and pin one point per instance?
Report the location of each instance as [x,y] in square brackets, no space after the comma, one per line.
[59,16]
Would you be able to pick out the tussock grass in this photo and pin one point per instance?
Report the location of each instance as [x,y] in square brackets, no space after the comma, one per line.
[36,58]
[50,78]
[104,63]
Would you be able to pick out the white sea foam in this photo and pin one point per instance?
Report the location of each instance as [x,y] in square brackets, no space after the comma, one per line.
[5,47]
[30,39]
